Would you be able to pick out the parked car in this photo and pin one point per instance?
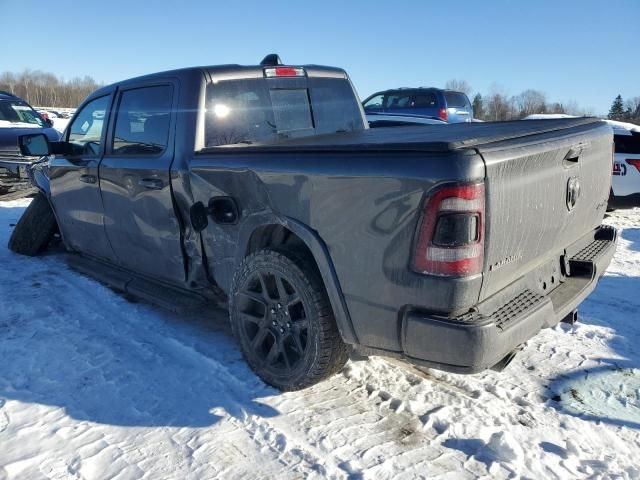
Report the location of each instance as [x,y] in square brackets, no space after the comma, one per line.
[625,182]
[17,117]
[377,120]
[48,114]
[262,188]
[625,185]
[447,105]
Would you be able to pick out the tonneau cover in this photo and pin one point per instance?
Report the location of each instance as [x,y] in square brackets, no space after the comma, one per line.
[432,138]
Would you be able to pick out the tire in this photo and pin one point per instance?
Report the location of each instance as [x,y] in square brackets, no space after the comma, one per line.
[281,317]
[35,228]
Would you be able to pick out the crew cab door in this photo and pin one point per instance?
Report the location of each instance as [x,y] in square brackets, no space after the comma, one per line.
[75,191]
[140,220]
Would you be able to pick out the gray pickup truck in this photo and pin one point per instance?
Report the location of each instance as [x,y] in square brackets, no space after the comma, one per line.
[261,188]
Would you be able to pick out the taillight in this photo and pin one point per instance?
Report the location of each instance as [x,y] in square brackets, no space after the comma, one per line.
[450,236]
[284,72]
[635,162]
[443,114]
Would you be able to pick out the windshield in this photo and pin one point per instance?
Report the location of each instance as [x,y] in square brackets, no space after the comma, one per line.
[16,112]
[256,110]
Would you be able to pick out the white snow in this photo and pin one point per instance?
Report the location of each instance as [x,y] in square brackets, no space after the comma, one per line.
[546,116]
[614,123]
[623,126]
[94,386]
[60,123]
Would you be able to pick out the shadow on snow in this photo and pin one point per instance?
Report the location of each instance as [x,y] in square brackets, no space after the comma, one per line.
[68,341]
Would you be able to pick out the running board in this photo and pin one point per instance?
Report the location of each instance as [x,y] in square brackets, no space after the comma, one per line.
[171,298]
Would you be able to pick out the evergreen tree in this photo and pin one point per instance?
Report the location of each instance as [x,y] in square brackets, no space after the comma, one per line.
[617,109]
[478,107]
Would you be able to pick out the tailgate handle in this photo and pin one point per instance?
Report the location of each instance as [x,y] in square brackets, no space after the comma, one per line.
[573,155]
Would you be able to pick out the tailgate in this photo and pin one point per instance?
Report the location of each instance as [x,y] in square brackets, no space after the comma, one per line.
[534,209]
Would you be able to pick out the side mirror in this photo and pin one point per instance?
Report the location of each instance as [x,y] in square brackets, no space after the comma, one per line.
[34,145]
[48,122]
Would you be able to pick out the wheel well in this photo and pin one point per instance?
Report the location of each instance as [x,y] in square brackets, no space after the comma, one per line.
[269,236]
[277,236]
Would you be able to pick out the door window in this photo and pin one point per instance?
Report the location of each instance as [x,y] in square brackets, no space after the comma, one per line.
[142,123]
[397,100]
[85,133]
[425,100]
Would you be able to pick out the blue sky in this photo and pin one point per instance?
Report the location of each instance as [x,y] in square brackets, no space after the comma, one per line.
[585,51]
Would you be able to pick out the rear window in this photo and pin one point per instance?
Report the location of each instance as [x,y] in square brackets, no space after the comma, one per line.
[627,143]
[258,110]
[456,100]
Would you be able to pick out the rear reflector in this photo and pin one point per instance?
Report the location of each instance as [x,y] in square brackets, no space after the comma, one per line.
[635,162]
[284,72]
[450,236]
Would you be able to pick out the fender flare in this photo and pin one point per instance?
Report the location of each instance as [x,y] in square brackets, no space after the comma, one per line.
[321,256]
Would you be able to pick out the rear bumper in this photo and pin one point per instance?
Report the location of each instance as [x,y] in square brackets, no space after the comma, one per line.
[475,341]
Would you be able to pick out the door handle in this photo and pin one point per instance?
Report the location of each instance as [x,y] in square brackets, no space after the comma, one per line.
[88,178]
[151,183]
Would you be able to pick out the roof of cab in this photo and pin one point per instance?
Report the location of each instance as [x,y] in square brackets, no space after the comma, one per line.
[217,73]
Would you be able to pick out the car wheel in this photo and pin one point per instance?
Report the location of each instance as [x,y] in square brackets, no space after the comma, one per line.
[34,230]
[282,319]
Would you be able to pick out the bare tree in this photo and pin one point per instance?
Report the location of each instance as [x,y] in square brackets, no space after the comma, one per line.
[497,105]
[633,108]
[459,86]
[530,102]
[45,89]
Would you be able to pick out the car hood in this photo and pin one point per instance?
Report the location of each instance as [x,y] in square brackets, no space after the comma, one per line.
[9,133]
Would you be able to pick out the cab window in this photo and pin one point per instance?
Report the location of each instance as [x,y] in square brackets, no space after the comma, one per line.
[85,133]
[142,122]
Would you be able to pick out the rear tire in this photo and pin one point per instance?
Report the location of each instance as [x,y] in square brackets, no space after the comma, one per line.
[282,319]
[35,228]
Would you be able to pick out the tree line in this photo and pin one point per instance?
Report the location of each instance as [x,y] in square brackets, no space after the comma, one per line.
[625,111]
[497,105]
[46,89]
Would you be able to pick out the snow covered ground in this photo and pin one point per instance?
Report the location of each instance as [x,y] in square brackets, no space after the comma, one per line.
[60,123]
[93,385]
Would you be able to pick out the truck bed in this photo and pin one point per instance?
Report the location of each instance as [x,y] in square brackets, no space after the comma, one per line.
[432,138]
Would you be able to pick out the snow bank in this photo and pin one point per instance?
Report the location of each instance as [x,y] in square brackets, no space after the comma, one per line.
[8,124]
[614,123]
[60,123]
